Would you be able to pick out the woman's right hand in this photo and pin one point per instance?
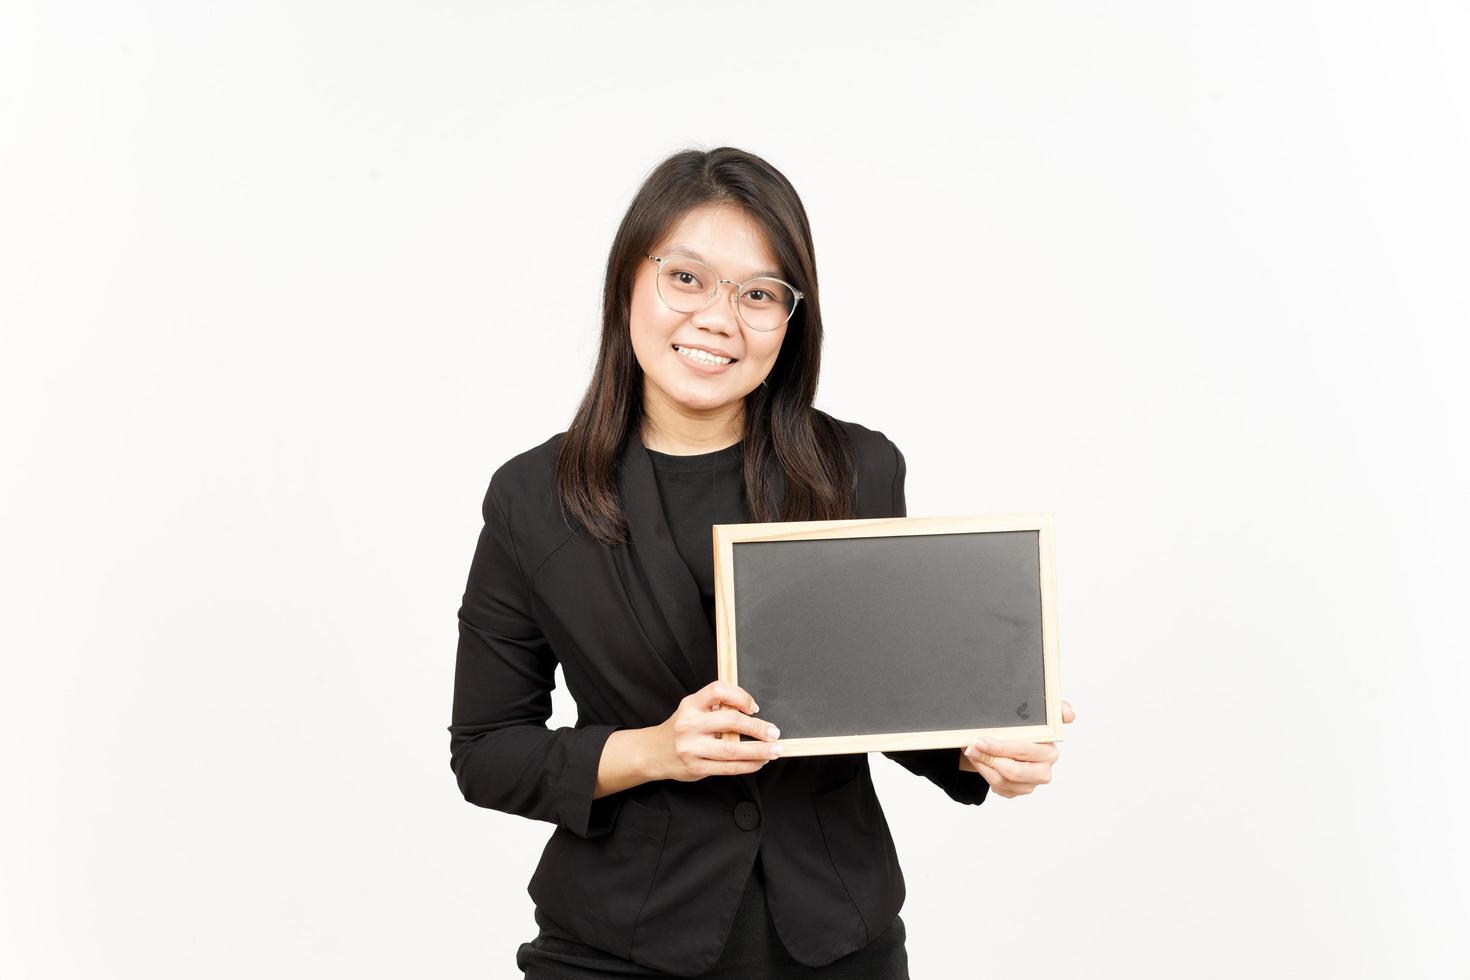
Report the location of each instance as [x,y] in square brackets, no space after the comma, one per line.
[688,745]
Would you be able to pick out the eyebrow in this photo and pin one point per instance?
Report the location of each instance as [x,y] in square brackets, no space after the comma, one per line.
[686,250]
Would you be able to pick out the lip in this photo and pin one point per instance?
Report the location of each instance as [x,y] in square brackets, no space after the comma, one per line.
[708,350]
[703,368]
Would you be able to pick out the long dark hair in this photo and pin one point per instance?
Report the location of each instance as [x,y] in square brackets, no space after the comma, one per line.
[782,431]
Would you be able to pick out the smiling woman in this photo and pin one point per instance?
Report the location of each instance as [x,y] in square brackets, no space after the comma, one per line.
[714,254]
[676,850]
[699,366]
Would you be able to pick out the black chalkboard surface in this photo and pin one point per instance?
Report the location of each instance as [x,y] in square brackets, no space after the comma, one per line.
[891,634]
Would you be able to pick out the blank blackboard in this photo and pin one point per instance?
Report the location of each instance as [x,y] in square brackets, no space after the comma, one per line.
[891,634]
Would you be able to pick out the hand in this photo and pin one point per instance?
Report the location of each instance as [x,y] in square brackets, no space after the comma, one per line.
[1012,767]
[688,745]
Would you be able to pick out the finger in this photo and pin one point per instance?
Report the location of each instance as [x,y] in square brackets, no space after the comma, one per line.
[980,759]
[1068,715]
[730,720]
[731,768]
[1018,774]
[997,782]
[717,694]
[1008,788]
[731,750]
[1018,750]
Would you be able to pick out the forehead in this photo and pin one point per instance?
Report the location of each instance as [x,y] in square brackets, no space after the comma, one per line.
[725,238]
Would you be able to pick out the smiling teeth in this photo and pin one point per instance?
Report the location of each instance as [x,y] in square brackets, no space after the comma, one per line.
[701,356]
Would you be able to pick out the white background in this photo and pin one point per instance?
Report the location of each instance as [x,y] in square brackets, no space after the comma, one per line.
[282,283]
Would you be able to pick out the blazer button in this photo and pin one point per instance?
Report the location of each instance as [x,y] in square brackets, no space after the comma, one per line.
[747,815]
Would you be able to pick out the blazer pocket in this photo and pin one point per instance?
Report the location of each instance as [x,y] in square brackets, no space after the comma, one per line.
[596,887]
[644,820]
[861,848]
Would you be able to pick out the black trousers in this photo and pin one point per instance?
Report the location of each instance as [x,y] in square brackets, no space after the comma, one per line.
[753,950]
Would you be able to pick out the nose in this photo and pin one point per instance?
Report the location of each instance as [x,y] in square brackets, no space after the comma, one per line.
[720,316]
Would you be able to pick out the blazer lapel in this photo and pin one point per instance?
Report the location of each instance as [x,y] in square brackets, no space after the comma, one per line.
[675,592]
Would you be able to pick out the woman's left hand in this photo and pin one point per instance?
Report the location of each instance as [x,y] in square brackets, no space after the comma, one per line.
[1014,768]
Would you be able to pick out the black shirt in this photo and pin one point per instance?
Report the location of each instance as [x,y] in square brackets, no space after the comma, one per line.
[700,491]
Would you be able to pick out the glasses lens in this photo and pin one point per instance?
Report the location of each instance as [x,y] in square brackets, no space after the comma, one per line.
[685,284]
[766,304]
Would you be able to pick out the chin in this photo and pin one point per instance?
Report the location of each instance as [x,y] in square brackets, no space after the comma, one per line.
[707,397]
[708,403]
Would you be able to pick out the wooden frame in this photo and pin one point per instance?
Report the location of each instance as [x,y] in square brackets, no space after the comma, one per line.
[726,536]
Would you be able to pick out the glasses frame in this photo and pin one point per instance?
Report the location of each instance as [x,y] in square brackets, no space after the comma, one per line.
[735,293]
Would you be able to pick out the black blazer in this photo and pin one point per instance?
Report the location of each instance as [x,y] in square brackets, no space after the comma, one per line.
[654,873]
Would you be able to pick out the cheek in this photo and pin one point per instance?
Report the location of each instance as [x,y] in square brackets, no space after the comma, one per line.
[642,336]
[650,323]
[763,351]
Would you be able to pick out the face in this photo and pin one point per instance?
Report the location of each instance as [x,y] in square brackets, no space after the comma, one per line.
[736,248]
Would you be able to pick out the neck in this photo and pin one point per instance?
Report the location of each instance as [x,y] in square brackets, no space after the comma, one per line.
[678,431]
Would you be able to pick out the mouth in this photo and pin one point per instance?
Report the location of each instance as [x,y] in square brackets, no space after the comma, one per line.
[702,359]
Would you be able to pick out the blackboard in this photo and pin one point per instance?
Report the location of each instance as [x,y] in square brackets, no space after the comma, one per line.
[891,634]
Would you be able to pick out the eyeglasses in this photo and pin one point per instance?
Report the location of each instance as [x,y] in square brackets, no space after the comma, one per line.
[688,286]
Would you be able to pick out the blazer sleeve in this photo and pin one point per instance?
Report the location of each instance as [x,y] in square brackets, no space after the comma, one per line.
[501,752]
[939,766]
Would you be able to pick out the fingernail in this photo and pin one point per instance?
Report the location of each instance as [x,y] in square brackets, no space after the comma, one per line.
[980,745]
[775,732]
[754,707]
[775,751]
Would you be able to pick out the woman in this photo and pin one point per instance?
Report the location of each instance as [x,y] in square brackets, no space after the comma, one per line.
[677,852]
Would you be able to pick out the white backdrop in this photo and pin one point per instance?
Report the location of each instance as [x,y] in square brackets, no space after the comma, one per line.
[282,283]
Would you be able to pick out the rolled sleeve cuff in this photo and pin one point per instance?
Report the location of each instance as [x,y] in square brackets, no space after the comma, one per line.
[580,813]
[966,786]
